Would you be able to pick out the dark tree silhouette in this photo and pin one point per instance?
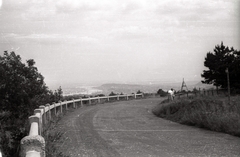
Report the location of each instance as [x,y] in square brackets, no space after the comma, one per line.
[58,94]
[161,92]
[217,62]
[22,89]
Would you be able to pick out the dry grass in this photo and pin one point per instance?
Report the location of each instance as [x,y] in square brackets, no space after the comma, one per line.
[211,113]
[52,137]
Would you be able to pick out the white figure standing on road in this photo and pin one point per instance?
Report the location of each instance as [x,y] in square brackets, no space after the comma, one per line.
[171,94]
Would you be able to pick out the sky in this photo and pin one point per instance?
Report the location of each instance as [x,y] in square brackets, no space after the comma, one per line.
[118,41]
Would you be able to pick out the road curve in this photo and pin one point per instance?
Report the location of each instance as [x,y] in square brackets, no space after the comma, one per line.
[129,129]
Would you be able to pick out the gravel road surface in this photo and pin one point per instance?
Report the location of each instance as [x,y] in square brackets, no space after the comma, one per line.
[129,129]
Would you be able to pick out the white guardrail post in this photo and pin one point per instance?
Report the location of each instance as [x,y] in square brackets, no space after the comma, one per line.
[33,145]
[43,114]
[60,106]
[81,102]
[49,112]
[55,109]
[74,105]
[66,104]
[99,100]
[38,112]
[89,100]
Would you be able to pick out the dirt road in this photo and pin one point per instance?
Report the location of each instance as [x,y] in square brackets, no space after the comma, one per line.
[129,129]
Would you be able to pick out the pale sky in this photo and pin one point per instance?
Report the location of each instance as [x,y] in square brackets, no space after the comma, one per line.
[122,41]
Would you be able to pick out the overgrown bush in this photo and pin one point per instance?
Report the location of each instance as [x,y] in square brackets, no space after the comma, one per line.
[209,113]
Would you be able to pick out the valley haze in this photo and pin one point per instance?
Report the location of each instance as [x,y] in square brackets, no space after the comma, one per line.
[128,88]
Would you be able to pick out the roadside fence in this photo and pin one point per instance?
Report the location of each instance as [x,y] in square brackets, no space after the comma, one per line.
[200,93]
[33,145]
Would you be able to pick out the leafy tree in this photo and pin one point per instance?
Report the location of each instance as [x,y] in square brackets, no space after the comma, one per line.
[112,94]
[195,90]
[161,92]
[22,89]
[139,92]
[99,95]
[217,62]
[58,94]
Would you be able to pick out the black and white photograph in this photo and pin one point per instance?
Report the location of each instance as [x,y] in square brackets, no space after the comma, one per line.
[119,78]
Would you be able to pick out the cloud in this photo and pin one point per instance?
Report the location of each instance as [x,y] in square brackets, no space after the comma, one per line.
[121,20]
[81,5]
[49,39]
[13,4]
[197,10]
[71,6]
[131,32]
[40,36]
[165,10]
[128,8]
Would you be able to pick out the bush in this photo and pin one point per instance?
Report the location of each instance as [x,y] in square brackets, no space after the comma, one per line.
[139,92]
[208,113]
[112,94]
[162,92]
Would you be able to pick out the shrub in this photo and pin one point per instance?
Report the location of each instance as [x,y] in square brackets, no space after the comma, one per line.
[207,113]
[162,92]
[112,94]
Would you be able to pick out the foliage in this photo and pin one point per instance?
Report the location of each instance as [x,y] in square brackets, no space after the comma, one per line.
[53,136]
[112,94]
[22,89]
[217,62]
[195,90]
[209,113]
[183,91]
[58,94]
[139,92]
[99,95]
[21,86]
[162,92]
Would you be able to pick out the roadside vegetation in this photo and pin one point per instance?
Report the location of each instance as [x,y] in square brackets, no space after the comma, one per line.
[22,89]
[213,113]
[53,137]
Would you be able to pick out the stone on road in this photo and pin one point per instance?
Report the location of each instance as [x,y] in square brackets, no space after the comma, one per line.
[129,129]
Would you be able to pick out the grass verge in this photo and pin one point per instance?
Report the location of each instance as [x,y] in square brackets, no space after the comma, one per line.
[52,138]
[208,112]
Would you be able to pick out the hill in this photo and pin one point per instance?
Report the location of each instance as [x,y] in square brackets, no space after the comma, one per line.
[148,88]
[128,88]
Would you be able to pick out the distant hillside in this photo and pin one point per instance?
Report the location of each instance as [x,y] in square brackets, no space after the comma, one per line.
[148,88]
[127,88]
[131,88]
[203,86]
